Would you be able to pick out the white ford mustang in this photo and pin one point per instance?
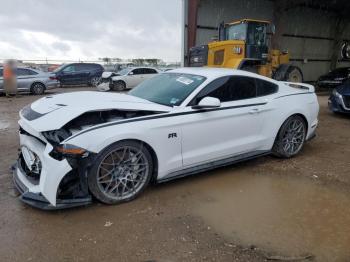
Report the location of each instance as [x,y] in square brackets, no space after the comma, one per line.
[110,146]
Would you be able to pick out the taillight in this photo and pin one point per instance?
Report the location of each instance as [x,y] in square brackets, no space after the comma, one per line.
[53,78]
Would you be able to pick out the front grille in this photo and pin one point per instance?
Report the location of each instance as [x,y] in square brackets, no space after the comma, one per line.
[346,100]
[34,178]
[198,56]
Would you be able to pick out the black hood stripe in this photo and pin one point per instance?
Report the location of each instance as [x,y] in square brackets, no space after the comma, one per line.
[160,116]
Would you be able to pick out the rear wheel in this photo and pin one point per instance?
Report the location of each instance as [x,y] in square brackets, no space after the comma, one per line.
[291,137]
[121,172]
[37,89]
[95,81]
[118,86]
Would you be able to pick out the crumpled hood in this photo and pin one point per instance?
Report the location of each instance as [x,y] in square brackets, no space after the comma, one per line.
[53,112]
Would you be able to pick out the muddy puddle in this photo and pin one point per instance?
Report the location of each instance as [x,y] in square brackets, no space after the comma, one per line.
[282,215]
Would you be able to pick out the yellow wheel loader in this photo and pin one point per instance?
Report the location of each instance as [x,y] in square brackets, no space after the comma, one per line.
[246,45]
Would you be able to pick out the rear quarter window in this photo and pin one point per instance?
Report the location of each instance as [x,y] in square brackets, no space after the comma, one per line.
[265,88]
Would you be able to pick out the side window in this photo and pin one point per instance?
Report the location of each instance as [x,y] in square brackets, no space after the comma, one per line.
[81,67]
[31,72]
[138,71]
[228,89]
[149,71]
[69,69]
[21,72]
[265,88]
[1,72]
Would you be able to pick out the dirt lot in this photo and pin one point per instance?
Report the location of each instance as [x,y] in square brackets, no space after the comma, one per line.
[246,212]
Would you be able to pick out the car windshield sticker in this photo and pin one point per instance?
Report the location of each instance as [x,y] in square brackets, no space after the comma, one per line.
[184,80]
[198,78]
[174,100]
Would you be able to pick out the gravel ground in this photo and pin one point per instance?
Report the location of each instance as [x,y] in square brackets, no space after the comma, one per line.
[162,224]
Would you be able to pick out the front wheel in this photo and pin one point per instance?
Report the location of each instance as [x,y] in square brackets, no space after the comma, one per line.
[118,86]
[291,137]
[121,172]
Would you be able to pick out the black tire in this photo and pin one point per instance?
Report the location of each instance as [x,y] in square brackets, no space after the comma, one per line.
[294,74]
[118,172]
[94,81]
[118,86]
[37,89]
[285,137]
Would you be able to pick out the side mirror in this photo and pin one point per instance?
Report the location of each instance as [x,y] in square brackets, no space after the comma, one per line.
[208,102]
[131,73]
[345,51]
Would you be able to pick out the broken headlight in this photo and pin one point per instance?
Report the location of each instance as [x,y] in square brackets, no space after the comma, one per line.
[56,136]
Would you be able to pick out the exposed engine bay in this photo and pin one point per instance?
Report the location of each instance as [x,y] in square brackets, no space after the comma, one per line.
[90,119]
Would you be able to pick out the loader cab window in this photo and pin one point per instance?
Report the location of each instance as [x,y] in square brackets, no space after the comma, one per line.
[236,32]
[256,34]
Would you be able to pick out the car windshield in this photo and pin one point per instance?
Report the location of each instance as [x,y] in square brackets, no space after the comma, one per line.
[124,71]
[169,89]
[236,32]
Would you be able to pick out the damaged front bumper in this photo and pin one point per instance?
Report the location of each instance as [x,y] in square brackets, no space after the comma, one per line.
[48,189]
[37,200]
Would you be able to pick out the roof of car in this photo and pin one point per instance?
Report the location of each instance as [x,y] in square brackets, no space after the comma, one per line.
[212,72]
[135,67]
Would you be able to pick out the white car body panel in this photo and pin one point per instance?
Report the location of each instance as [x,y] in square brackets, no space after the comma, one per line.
[236,128]
[57,110]
[130,80]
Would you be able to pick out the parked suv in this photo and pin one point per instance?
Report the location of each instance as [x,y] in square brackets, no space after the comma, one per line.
[31,80]
[79,74]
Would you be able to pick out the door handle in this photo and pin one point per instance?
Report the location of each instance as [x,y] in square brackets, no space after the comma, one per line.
[254,111]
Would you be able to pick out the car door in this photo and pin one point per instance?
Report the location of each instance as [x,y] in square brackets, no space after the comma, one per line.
[135,77]
[67,76]
[81,74]
[25,78]
[232,129]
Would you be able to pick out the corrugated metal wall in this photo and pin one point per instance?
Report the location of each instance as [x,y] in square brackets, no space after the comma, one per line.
[306,33]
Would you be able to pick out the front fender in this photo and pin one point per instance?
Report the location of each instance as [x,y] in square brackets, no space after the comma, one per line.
[153,132]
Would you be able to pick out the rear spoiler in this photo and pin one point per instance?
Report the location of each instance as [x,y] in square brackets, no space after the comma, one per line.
[308,87]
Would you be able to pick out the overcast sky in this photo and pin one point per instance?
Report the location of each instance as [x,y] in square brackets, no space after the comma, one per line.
[89,29]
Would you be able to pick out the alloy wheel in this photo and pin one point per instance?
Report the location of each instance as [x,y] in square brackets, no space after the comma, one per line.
[123,173]
[294,136]
[95,81]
